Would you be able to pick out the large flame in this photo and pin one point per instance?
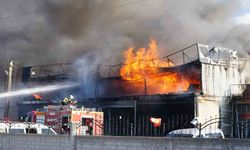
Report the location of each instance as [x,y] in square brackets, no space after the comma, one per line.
[141,68]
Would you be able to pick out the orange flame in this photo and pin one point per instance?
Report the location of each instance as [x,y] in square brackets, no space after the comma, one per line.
[37,97]
[156,121]
[142,69]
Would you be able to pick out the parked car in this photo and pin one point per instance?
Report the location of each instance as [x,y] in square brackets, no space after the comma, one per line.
[194,133]
[25,128]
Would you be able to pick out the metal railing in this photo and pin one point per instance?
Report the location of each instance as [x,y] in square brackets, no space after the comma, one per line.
[117,125]
[180,57]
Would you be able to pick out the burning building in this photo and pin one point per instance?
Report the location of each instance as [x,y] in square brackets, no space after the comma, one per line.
[200,84]
[197,81]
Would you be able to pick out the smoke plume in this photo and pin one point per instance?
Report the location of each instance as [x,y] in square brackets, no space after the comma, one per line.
[49,31]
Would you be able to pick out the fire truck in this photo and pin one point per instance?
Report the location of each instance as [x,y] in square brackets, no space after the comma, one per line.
[65,119]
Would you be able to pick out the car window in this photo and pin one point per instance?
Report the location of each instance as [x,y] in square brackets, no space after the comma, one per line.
[180,135]
[31,130]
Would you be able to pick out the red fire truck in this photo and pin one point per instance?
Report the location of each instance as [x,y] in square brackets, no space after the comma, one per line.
[66,119]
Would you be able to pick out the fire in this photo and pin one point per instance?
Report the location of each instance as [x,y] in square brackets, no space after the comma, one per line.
[156,121]
[141,69]
[37,97]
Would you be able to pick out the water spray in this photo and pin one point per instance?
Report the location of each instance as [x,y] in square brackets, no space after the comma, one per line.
[38,89]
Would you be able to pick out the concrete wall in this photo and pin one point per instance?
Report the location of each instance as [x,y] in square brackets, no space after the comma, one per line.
[207,108]
[59,142]
[34,142]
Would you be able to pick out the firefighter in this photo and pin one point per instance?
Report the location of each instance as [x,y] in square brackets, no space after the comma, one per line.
[90,128]
[65,101]
[68,100]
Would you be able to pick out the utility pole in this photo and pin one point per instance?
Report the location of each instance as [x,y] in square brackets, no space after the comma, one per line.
[9,74]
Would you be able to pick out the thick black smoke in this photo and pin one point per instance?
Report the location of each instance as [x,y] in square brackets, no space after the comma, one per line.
[50,31]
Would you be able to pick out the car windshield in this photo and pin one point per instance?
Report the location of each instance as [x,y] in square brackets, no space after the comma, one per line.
[180,135]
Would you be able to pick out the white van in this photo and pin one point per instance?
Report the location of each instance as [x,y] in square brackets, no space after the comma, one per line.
[194,133]
[25,128]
